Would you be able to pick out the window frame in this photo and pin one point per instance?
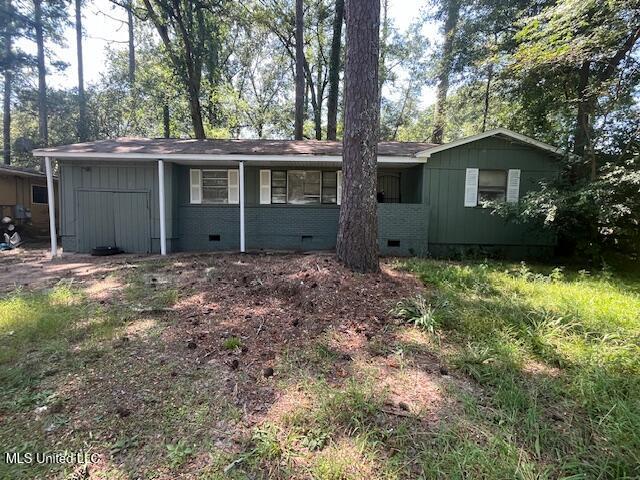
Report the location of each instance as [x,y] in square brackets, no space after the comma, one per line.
[286,187]
[202,188]
[505,187]
[46,194]
[322,187]
[319,202]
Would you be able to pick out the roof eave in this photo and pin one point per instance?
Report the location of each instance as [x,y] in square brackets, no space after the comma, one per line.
[215,157]
[18,173]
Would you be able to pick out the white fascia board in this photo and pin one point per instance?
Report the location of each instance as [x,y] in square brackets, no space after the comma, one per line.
[491,133]
[212,158]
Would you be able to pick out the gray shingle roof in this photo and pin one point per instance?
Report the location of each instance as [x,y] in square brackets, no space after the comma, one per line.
[164,146]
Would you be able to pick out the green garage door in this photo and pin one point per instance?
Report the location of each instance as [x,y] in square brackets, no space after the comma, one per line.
[120,219]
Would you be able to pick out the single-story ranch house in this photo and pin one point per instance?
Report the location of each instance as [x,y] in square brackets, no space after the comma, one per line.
[170,195]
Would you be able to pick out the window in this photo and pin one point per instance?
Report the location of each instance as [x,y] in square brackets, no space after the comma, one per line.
[329,187]
[215,184]
[303,187]
[388,188]
[39,194]
[492,186]
[278,186]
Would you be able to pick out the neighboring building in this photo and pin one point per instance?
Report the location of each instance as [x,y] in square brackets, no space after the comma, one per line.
[23,196]
[168,195]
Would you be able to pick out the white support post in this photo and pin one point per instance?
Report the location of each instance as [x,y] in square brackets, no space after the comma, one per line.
[52,208]
[241,188]
[163,225]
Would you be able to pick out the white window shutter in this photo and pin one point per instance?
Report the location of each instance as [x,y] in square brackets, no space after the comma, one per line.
[339,187]
[265,187]
[196,186]
[513,186]
[471,188]
[233,188]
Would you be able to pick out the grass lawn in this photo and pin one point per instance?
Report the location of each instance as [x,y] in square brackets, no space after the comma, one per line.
[208,366]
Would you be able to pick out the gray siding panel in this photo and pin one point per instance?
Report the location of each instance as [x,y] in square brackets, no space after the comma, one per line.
[76,176]
[95,230]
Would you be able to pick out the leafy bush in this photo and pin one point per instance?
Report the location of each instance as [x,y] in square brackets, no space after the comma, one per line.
[589,217]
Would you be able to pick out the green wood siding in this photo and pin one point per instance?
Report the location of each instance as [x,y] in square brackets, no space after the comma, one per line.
[453,226]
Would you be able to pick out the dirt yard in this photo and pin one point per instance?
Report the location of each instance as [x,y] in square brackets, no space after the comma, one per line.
[197,365]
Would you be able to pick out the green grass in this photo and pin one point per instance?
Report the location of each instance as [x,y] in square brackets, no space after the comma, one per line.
[232,343]
[558,354]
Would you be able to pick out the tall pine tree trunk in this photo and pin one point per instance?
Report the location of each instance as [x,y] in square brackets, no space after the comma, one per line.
[334,72]
[132,47]
[317,112]
[6,111]
[43,132]
[299,112]
[357,243]
[82,100]
[444,71]
[487,94]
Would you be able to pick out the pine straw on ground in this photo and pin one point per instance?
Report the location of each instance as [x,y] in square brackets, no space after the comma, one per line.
[207,350]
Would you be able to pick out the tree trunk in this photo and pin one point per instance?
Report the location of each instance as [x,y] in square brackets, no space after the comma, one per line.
[6,112]
[82,100]
[334,72]
[196,112]
[43,133]
[487,92]
[446,64]
[357,243]
[187,64]
[384,41]
[584,117]
[213,76]
[132,47]
[6,118]
[299,112]
[165,121]
[317,112]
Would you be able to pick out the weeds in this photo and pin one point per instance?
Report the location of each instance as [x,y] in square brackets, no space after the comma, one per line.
[178,453]
[543,339]
[232,343]
[420,312]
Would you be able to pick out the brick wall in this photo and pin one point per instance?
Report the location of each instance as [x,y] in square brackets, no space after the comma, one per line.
[290,227]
